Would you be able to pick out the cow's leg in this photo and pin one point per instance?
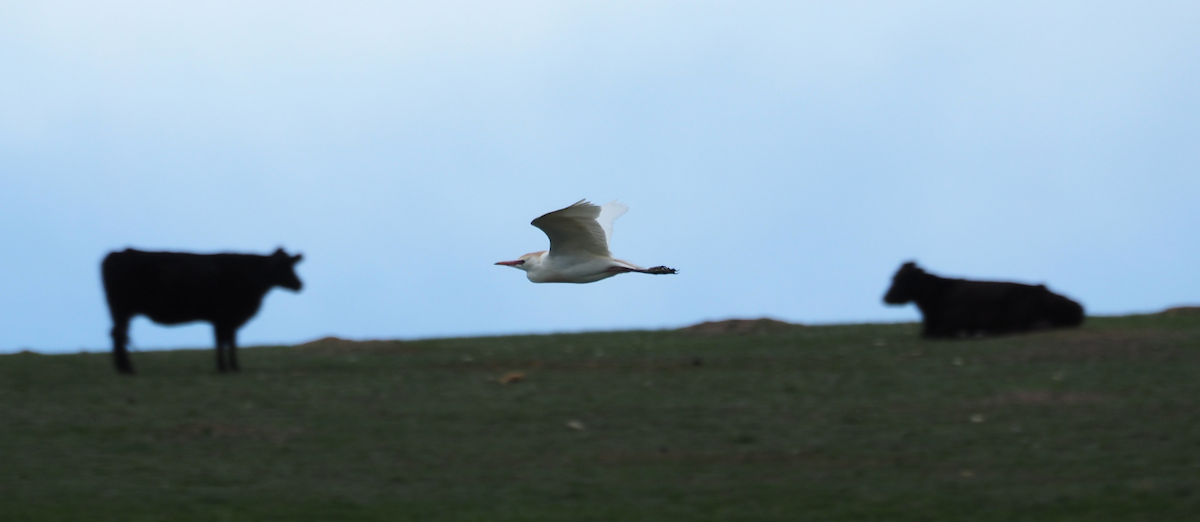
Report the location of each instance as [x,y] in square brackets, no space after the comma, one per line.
[220,337]
[120,337]
[232,347]
[930,329]
[226,348]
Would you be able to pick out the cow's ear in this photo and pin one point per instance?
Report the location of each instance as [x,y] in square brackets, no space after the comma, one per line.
[297,258]
[909,265]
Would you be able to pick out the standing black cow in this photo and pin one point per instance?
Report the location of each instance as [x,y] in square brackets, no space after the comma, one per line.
[173,288]
[962,308]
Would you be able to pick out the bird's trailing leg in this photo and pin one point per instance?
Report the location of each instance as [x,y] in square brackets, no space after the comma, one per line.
[658,270]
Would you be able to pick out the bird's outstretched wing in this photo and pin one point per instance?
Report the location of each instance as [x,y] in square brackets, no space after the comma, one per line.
[609,212]
[575,230]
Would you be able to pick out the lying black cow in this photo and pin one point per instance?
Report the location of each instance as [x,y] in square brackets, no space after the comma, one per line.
[962,308]
[172,288]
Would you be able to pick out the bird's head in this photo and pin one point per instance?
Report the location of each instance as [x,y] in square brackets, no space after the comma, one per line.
[525,262]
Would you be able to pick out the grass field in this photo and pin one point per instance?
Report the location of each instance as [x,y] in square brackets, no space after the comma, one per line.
[852,422]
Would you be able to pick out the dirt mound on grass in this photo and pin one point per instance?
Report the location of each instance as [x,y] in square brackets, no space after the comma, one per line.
[338,345]
[1181,310]
[741,326]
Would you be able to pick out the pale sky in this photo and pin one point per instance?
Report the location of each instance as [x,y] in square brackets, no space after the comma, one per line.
[786,157]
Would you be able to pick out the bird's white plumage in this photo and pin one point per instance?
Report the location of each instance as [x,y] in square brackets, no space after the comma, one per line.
[579,237]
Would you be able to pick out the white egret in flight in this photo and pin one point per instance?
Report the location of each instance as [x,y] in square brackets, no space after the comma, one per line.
[579,236]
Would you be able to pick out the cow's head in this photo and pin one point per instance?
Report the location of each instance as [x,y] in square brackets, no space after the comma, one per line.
[904,284]
[281,269]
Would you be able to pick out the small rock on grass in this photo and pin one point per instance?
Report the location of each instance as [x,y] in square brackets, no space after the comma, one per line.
[512,377]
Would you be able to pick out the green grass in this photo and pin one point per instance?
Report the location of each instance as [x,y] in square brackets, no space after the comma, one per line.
[853,422]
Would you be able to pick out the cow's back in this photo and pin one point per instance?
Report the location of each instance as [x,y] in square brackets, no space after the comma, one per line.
[974,307]
[173,288]
[987,307]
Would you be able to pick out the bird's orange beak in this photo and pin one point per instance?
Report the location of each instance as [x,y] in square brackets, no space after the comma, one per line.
[512,263]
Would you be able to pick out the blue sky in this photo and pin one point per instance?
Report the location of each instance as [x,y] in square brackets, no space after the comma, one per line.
[786,157]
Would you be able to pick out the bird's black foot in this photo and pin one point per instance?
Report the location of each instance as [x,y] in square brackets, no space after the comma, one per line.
[661,270]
